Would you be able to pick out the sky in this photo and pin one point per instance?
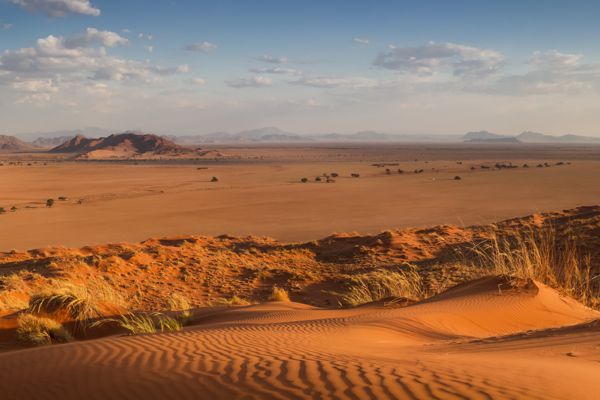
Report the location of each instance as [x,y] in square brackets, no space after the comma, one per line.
[192,67]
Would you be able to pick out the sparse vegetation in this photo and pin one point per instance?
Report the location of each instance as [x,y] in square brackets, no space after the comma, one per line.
[537,253]
[39,331]
[233,301]
[304,180]
[49,203]
[214,179]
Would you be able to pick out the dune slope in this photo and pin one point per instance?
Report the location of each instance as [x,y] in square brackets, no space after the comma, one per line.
[473,341]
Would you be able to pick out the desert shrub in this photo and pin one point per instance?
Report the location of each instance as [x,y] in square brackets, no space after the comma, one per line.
[355,175]
[62,198]
[539,254]
[2,210]
[49,203]
[383,284]
[335,174]
[214,179]
[304,180]
[279,294]
[13,208]
[318,179]
[457,178]
[40,331]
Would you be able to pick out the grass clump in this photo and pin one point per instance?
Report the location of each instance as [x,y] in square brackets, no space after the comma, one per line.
[144,323]
[233,301]
[181,304]
[279,294]
[383,284]
[540,254]
[40,331]
[75,300]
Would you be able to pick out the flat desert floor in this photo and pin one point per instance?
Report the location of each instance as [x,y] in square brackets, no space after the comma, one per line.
[259,192]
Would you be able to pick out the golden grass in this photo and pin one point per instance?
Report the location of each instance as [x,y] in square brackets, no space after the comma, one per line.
[383,284]
[539,254]
[40,331]
[75,300]
[279,294]
[144,323]
[181,304]
[233,301]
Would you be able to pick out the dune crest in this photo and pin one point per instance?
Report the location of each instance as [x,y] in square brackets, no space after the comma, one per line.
[433,349]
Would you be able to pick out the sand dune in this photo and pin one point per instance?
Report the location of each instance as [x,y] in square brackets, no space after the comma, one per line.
[454,345]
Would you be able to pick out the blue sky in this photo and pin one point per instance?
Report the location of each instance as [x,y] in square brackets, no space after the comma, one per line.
[185,67]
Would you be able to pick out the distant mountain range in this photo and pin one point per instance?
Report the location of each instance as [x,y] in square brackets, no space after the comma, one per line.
[276,135]
[526,137]
[125,145]
[11,143]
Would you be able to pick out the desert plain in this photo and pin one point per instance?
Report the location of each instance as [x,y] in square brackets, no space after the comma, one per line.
[469,274]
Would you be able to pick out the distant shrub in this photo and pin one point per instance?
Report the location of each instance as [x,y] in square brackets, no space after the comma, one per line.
[214,179]
[457,178]
[233,301]
[62,198]
[2,210]
[13,208]
[49,203]
[318,179]
[388,171]
[355,175]
[40,331]
[335,174]
[304,180]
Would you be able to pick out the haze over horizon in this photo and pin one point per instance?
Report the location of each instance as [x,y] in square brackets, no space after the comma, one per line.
[196,67]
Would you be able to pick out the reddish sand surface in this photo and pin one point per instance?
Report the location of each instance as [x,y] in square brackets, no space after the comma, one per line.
[261,194]
[473,341]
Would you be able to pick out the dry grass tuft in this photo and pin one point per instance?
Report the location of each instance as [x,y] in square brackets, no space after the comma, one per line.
[40,331]
[182,306]
[233,301]
[279,294]
[75,300]
[144,323]
[383,284]
[539,254]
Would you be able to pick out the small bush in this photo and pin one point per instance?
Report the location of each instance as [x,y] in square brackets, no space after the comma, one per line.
[457,178]
[181,304]
[279,294]
[214,179]
[304,180]
[40,331]
[49,203]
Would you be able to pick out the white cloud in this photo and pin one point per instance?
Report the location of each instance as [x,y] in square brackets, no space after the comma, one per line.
[432,58]
[272,60]
[552,72]
[79,57]
[255,81]
[93,36]
[203,47]
[149,49]
[6,27]
[275,70]
[197,81]
[334,82]
[361,40]
[58,8]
